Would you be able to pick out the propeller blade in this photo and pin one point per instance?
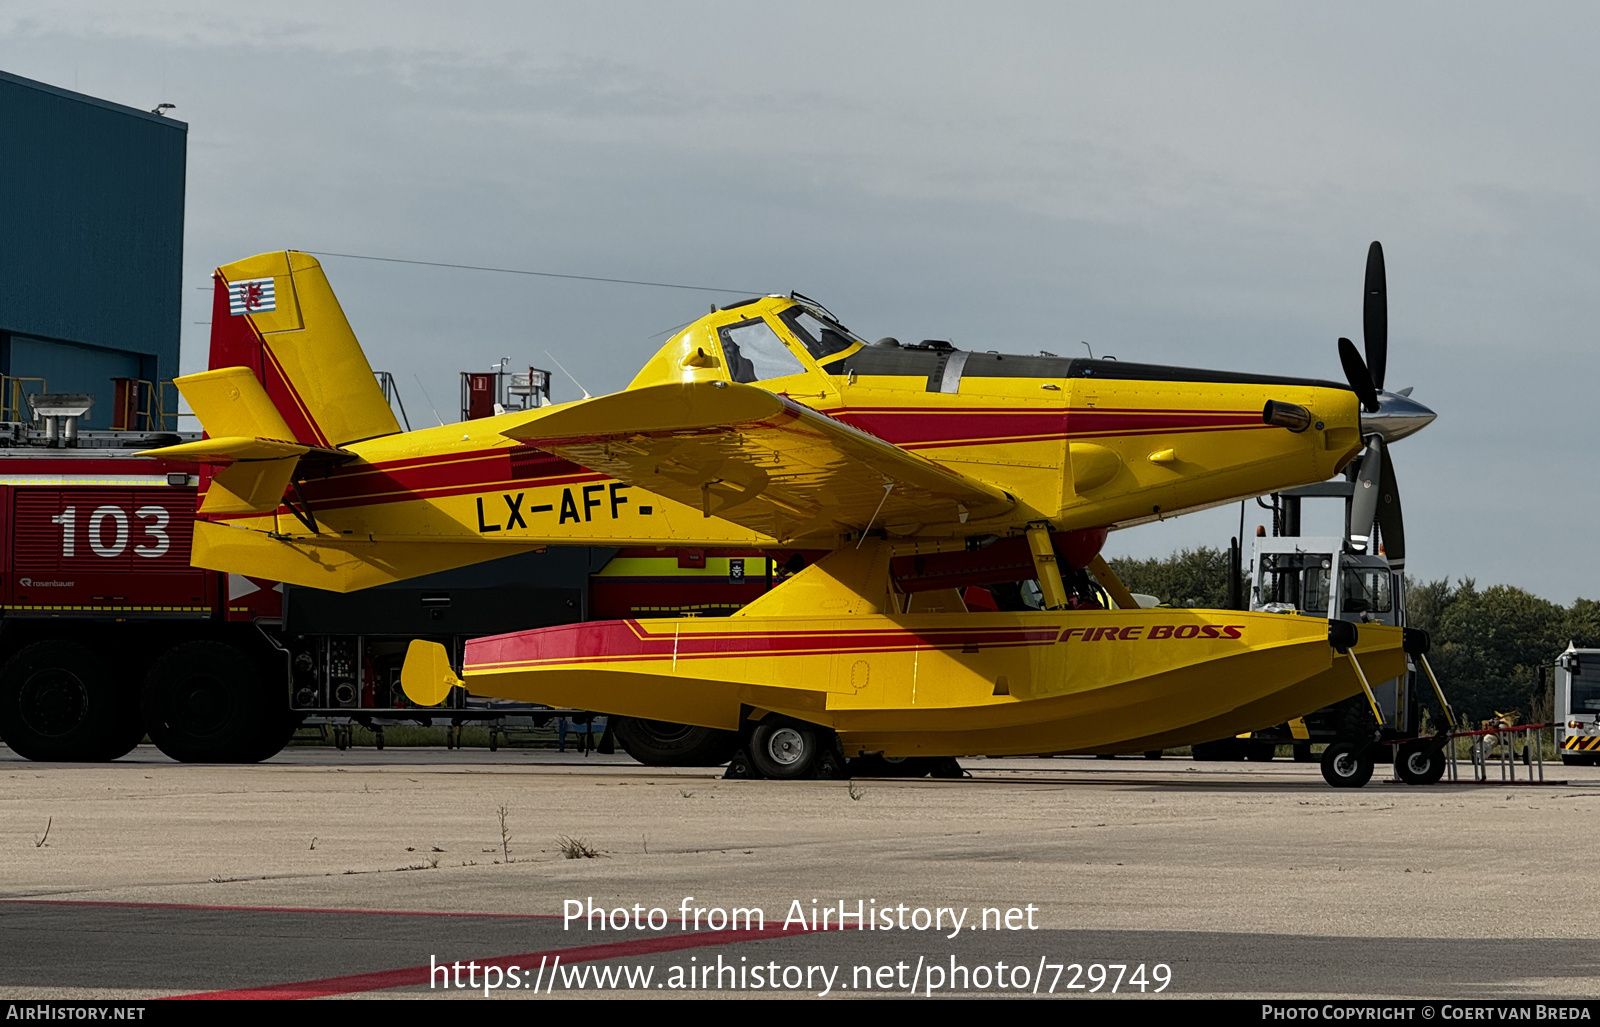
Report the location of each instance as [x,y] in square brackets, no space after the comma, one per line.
[1364,503]
[1390,523]
[1375,315]
[1355,372]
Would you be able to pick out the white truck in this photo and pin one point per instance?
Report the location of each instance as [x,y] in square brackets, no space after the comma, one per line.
[1577,706]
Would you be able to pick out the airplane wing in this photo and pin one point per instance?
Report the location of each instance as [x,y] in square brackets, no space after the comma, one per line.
[759,460]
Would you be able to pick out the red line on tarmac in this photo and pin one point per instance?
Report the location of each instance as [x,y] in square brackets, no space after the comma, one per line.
[268,909]
[526,964]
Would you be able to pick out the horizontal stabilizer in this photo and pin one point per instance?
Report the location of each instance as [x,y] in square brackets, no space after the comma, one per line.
[760,460]
[254,474]
[229,449]
[231,401]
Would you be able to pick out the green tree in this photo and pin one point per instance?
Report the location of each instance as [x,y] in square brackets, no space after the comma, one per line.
[1489,644]
[1191,578]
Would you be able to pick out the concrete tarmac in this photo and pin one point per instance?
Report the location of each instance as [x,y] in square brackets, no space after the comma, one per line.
[356,873]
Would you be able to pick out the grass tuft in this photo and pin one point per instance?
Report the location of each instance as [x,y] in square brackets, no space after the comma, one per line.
[577,848]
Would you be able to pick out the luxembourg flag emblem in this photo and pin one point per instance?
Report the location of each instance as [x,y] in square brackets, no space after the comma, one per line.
[251,297]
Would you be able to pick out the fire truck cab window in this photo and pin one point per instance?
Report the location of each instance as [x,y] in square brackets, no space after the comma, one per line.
[756,354]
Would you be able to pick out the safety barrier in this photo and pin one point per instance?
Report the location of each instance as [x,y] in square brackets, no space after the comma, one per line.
[1499,746]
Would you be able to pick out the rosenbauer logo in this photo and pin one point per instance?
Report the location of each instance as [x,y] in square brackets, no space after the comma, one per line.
[1152,632]
[30,583]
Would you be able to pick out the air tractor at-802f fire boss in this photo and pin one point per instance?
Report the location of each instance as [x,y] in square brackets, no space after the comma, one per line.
[108,633]
[915,470]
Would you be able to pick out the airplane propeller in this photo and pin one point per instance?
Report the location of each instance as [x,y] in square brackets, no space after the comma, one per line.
[1387,417]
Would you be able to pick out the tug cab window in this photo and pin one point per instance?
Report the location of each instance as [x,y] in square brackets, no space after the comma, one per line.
[756,354]
[1364,591]
[823,338]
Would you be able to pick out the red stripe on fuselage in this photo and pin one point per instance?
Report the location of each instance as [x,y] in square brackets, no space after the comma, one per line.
[923,428]
[626,641]
[525,467]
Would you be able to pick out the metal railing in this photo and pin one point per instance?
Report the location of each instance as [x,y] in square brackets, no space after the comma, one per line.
[14,393]
[1503,747]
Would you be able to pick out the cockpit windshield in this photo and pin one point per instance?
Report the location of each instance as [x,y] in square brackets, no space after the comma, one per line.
[817,330]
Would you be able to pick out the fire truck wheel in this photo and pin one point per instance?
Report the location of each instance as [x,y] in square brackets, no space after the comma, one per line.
[656,743]
[1347,765]
[58,701]
[784,748]
[208,702]
[1416,765]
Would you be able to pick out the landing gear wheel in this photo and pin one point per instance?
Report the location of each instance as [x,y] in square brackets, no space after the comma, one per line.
[207,702]
[1260,752]
[784,749]
[58,702]
[1417,764]
[1346,765]
[657,743]
[1154,754]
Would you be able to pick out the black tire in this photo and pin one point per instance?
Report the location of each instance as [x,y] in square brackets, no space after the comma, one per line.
[1347,765]
[209,702]
[1223,750]
[656,743]
[1154,754]
[892,766]
[1569,760]
[59,701]
[1415,764]
[1260,752]
[784,749]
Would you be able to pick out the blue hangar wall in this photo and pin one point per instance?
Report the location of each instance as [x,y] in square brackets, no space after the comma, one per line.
[91,241]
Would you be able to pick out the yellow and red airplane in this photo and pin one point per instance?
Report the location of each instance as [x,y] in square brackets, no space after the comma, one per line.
[915,469]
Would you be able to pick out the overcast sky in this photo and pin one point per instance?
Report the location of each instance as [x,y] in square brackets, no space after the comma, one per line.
[1180,183]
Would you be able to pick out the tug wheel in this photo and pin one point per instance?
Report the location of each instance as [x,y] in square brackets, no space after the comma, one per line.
[894,766]
[1346,765]
[784,749]
[657,743]
[1261,752]
[1416,765]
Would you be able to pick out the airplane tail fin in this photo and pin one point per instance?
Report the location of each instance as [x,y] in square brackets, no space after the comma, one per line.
[276,315]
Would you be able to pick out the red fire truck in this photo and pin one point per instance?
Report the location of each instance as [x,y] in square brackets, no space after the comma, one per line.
[107,633]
